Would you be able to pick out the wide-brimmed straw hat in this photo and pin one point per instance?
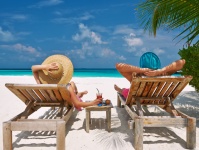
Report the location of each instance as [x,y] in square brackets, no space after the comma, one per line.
[60,76]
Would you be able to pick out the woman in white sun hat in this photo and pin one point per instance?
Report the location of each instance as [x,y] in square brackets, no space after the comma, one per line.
[58,69]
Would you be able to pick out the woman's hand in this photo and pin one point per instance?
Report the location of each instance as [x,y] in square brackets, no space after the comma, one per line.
[97,101]
[52,66]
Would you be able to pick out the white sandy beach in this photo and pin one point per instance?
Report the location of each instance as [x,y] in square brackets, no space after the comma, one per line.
[120,137]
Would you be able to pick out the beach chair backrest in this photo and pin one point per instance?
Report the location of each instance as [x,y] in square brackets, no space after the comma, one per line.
[41,94]
[156,90]
[150,60]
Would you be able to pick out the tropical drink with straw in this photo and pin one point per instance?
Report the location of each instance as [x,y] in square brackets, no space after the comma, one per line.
[99,95]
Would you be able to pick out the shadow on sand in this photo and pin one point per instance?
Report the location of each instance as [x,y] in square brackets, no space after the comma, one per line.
[41,136]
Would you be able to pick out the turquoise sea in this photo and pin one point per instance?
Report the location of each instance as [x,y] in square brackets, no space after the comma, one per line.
[77,72]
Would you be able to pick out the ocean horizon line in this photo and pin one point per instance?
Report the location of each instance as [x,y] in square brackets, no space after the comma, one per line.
[78,72]
[74,68]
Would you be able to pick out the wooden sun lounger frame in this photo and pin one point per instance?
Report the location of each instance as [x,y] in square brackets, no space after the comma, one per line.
[36,96]
[160,91]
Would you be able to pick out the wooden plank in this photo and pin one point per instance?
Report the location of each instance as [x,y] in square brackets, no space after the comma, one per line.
[7,136]
[162,122]
[132,101]
[171,89]
[108,116]
[57,95]
[141,89]
[39,120]
[162,78]
[133,90]
[68,114]
[42,98]
[32,86]
[147,88]
[132,114]
[159,88]
[153,89]
[139,109]
[51,95]
[191,133]
[87,120]
[138,130]
[122,99]
[26,94]
[180,87]
[164,89]
[45,94]
[32,93]
[119,100]
[33,126]
[60,135]
[60,111]
[28,110]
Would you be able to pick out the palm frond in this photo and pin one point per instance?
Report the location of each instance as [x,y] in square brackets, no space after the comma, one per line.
[172,14]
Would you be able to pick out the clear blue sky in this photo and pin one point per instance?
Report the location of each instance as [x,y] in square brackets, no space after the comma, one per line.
[93,34]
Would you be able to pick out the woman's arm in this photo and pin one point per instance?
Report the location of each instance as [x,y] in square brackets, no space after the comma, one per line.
[35,69]
[76,101]
[48,67]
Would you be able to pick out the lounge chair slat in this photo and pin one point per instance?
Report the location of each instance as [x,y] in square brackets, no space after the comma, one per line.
[147,88]
[141,89]
[164,89]
[153,89]
[26,94]
[32,93]
[159,88]
[57,94]
[134,86]
[171,88]
[51,95]
[40,95]
[45,94]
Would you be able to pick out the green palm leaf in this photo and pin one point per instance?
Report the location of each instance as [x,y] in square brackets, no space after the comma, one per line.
[171,14]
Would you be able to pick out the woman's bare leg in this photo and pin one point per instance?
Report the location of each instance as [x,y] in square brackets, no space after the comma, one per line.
[168,70]
[118,89]
[81,94]
[126,70]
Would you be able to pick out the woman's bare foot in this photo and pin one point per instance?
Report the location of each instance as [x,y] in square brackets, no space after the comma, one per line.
[81,94]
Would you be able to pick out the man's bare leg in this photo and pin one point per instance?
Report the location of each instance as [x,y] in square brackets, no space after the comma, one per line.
[126,70]
[168,70]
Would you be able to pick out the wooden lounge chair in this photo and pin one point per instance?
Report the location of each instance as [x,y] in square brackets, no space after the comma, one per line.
[36,96]
[159,91]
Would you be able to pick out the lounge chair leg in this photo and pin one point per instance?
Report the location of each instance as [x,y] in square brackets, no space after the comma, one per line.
[138,131]
[108,119]
[60,135]
[87,120]
[7,136]
[191,133]
[118,101]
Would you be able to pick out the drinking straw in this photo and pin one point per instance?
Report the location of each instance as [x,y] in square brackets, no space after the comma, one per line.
[97,90]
